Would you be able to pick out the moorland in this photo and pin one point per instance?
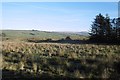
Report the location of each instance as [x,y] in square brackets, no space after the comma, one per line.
[56,55]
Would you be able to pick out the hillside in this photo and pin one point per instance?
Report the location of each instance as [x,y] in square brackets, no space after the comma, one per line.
[46,55]
[25,34]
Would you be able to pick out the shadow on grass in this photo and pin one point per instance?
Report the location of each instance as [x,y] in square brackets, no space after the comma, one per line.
[21,75]
[76,41]
[70,41]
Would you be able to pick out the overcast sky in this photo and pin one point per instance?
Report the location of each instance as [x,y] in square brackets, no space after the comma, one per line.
[54,16]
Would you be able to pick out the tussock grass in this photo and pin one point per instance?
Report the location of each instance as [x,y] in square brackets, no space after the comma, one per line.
[68,60]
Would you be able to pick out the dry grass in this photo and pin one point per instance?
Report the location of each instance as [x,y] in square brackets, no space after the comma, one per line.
[76,60]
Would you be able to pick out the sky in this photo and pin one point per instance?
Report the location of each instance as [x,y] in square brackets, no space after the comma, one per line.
[54,16]
[59,0]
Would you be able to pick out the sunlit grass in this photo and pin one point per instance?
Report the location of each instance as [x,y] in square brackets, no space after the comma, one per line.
[76,60]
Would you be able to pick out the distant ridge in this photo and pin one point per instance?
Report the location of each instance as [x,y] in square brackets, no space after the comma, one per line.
[82,33]
[25,34]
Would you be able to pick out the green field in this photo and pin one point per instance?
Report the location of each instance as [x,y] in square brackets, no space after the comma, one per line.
[27,34]
[57,60]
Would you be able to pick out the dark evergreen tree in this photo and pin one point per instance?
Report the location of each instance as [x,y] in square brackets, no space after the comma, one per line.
[105,29]
[98,28]
[108,28]
[118,28]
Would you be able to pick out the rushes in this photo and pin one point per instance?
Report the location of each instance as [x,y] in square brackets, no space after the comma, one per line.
[78,60]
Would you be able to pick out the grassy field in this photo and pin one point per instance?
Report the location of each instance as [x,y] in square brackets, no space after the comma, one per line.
[22,35]
[58,60]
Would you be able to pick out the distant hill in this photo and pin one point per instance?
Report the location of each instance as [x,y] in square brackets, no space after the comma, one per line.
[41,34]
[83,33]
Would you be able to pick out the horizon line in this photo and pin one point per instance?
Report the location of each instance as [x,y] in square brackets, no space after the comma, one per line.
[42,30]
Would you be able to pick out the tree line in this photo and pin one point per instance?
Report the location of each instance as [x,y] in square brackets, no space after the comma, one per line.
[104,29]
